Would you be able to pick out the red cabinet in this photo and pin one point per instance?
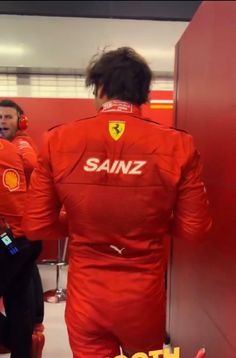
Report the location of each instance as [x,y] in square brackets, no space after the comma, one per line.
[202,307]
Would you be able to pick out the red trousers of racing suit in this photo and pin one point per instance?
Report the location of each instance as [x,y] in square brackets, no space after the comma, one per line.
[122,179]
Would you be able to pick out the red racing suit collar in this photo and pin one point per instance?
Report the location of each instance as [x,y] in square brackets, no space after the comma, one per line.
[117,105]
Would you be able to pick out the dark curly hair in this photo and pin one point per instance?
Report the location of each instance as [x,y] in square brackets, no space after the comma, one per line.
[122,73]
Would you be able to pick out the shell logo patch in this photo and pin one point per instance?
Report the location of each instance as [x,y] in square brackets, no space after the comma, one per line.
[1,145]
[11,179]
[116,129]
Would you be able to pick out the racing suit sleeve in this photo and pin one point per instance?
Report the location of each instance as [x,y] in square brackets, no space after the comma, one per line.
[41,219]
[191,215]
[27,153]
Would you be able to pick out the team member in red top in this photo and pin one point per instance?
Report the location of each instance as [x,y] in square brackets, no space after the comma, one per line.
[15,270]
[127,184]
[13,124]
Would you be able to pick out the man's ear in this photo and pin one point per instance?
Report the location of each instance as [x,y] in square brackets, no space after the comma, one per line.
[100,92]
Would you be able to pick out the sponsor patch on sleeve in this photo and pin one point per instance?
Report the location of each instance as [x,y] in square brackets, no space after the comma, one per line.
[11,179]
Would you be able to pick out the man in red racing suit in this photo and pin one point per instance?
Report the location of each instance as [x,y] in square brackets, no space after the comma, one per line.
[13,124]
[126,183]
[15,271]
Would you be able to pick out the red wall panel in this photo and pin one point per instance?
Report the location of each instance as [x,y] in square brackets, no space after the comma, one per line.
[202,288]
[160,115]
[45,113]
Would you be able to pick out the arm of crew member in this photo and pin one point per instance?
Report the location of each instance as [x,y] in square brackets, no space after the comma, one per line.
[27,153]
[41,220]
[191,215]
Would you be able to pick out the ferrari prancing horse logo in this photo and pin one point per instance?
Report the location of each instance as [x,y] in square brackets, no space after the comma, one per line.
[116,129]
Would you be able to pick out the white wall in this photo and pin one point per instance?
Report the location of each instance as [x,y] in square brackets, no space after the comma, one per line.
[68,43]
[56,86]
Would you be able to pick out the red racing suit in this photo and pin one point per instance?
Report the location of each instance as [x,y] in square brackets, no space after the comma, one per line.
[126,183]
[15,272]
[12,186]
